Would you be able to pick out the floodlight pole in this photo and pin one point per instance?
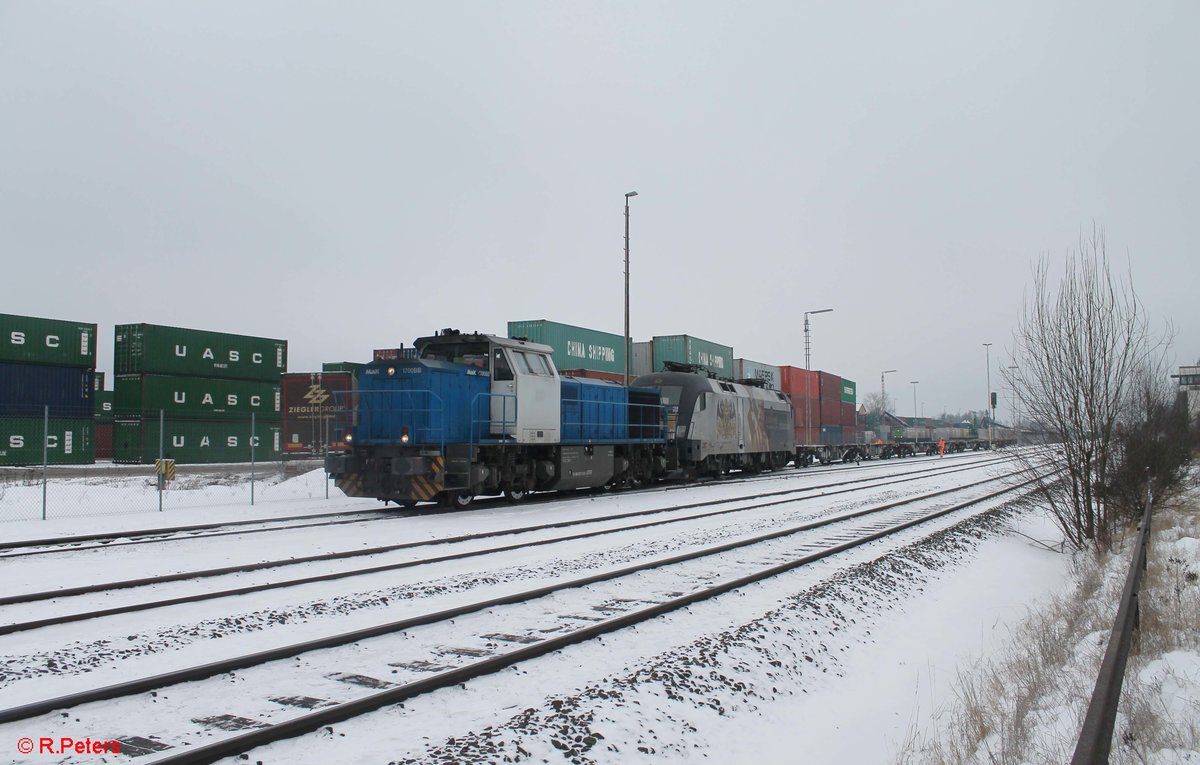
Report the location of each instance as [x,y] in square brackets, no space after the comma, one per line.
[808,369]
[627,344]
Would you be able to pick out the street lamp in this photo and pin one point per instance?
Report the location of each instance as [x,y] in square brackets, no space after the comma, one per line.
[914,384]
[627,344]
[883,394]
[807,369]
[987,347]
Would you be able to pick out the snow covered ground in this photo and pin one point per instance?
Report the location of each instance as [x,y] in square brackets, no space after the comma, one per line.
[838,662]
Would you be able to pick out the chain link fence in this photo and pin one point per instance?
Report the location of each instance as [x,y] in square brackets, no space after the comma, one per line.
[49,468]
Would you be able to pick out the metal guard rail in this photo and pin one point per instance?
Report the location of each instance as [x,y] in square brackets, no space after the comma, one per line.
[1095,739]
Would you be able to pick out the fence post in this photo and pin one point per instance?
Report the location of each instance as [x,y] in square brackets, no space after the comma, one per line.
[252,459]
[45,453]
[325,455]
[161,456]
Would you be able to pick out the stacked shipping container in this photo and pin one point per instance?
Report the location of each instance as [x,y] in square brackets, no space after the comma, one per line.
[576,348]
[205,386]
[46,366]
[311,402]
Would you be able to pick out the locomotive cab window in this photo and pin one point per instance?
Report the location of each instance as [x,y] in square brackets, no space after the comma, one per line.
[501,371]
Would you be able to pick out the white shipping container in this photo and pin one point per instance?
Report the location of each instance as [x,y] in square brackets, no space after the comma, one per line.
[745,369]
[642,362]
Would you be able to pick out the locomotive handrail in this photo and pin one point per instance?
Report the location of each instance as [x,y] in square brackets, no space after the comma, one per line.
[505,423]
[658,420]
[1095,738]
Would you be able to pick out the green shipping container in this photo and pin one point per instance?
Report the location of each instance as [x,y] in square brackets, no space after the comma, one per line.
[28,340]
[155,349]
[574,347]
[195,397]
[349,367]
[692,350]
[849,391]
[70,441]
[191,442]
[104,405]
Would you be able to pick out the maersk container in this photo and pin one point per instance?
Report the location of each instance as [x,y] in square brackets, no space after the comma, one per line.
[849,391]
[156,349]
[642,362]
[195,397]
[195,441]
[771,376]
[29,340]
[68,441]
[27,389]
[575,347]
[692,350]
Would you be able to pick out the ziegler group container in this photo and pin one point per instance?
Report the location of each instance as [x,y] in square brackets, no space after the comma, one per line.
[313,404]
[575,347]
[194,441]
[195,397]
[27,389]
[29,340]
[156,349]
[745,369]
[692,350]
[68,442]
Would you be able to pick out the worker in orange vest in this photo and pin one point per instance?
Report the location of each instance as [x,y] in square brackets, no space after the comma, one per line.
[941,447]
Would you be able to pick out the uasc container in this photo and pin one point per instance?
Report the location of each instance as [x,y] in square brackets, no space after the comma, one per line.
[67,442]
[104,408]
[195,442]
[575,347]
[157,349]
[195,397]
[685,349]
[27,389]
[29,340]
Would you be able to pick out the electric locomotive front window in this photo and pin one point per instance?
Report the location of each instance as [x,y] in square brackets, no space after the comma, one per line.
[671,394]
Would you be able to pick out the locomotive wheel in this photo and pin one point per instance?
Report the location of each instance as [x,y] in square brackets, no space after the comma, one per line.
[515,496]
[459,500]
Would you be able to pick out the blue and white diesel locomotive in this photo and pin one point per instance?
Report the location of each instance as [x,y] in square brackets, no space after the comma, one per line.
[479,415]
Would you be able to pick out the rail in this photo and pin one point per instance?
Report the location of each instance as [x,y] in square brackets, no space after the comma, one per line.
[1095,739]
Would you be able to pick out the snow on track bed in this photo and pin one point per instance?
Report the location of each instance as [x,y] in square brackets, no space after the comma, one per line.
[305,610]
[350,659]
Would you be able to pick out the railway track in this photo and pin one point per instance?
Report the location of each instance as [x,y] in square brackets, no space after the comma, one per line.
[378,674]
[723,507]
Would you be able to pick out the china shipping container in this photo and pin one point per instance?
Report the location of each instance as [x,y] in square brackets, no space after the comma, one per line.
[849,391]
[313,404]
[104,405]
[594,374]
[195,397]
[104,440]
[29,340]
[692,350]
[27,389]
[157,349]
[194,441]
[830,386]
[575,347]
[642,362]
[68,441]
[745,369]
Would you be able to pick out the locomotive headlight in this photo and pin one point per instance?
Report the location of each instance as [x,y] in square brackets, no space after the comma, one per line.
[391,371]
[349,437]
[404,435]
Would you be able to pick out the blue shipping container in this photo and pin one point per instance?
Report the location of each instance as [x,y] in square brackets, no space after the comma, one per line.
[26,389]
[831,434]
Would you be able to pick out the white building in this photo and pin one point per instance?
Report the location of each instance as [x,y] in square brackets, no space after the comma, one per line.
[1189,385]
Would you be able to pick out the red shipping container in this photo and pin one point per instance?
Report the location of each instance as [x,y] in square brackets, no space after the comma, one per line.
[104,440]
[316,405]
[830,386]
[831,411]
[810,408]
[808,436]
[798,383]
[595,374]
[849,415]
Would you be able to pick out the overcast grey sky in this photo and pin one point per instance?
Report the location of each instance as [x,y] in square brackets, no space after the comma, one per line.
[352,175]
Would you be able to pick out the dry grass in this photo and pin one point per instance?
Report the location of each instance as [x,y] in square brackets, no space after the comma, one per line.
[1026,704]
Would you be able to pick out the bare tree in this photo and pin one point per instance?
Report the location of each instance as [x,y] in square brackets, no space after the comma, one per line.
[1078,348]
[875,408]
